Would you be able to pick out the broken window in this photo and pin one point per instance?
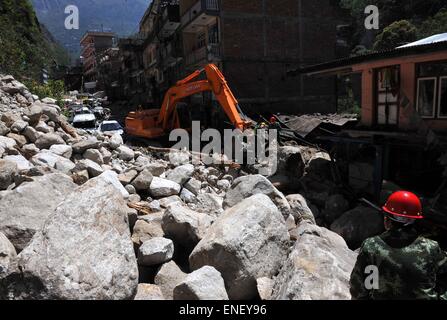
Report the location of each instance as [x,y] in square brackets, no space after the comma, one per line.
[442,97]
[426,97]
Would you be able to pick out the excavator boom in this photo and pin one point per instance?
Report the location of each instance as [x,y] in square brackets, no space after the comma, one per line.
[157,123]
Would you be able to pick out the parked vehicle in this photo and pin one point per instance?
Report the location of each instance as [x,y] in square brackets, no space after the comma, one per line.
[111,126]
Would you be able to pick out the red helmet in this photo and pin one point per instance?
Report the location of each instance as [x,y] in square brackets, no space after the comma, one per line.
[404,204]
[273,119]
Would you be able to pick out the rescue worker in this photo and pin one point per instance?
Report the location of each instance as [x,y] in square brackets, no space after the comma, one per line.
[408,266]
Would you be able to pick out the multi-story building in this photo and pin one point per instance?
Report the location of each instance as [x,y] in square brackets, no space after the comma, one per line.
[254,43]
[162,50]
[93,44]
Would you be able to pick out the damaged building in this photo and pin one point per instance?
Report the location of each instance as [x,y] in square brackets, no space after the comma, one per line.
[402,132]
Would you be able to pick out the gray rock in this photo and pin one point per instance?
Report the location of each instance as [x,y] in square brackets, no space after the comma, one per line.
[168,277]
[4,130]
[19,139]
[46,140]
[82,252]
[92,167]
[31,134]
[8,170]
[245,187]
[223,184]
[62,150]
[34,113]
[146,230]
[194,186]
[41,126]
[116,141]
[181,174]
[203,284]
[319,165]
[49,100]
[168,201]
[143,181]
[20,161]
[265,288]
[358,224]
[155,251]
[94,155]
[247,242]
[30,150]
[187,196]
[130,188]
[111,177]
[81,146]
[106,155]
[318,268]
[19,126]
[300,209]
[7,143]
[149,292]
[8,257]
[161,188]
[185,226]
[127,177]
[24,210]
[210,203]
[156,168]
[125,153]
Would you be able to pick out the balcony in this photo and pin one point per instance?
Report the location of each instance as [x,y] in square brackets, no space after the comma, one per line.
[199,57]
[201,14]
[170,20]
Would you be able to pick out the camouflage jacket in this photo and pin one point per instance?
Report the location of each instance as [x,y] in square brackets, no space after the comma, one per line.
[409,267]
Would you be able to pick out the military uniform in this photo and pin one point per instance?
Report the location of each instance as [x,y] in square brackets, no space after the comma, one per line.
[409,266]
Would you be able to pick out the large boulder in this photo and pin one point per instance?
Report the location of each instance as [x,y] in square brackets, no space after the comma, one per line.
[335,206]
[83,145]
[83,251]
[359,224]
[318,268]
[145,230]
[185,226]
[168,277]
[245,187]
[20,161]
[247,242]
[24,210]
[161,188]
[8,257]
[203,284]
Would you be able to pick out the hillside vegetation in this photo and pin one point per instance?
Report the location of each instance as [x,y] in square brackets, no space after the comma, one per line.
[25,46]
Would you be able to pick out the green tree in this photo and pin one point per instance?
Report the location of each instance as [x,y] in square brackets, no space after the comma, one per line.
[435,25]
[396,34]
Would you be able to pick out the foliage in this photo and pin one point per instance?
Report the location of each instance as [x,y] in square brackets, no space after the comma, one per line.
[396,34]
[24,48]
[434,25]
[54,89]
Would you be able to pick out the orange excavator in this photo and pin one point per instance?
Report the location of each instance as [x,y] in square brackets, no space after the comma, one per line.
[157,123]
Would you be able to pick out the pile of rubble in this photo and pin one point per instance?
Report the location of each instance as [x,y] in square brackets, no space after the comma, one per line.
[86,217]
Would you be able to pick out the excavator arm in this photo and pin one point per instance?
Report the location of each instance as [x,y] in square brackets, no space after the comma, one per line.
[158,122]
[215,83]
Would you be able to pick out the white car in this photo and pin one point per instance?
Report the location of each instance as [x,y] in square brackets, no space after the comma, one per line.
[111,126]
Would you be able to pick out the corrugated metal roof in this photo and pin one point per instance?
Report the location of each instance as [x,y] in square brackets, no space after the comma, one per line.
[427,45]
[433,39]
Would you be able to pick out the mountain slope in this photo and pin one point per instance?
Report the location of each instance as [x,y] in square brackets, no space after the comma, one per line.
[25,47]
[119,16]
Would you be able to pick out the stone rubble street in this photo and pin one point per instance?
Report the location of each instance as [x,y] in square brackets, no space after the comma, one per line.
[86,216]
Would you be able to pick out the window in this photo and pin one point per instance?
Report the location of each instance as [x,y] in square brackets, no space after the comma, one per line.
[426,97]
[442,111]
